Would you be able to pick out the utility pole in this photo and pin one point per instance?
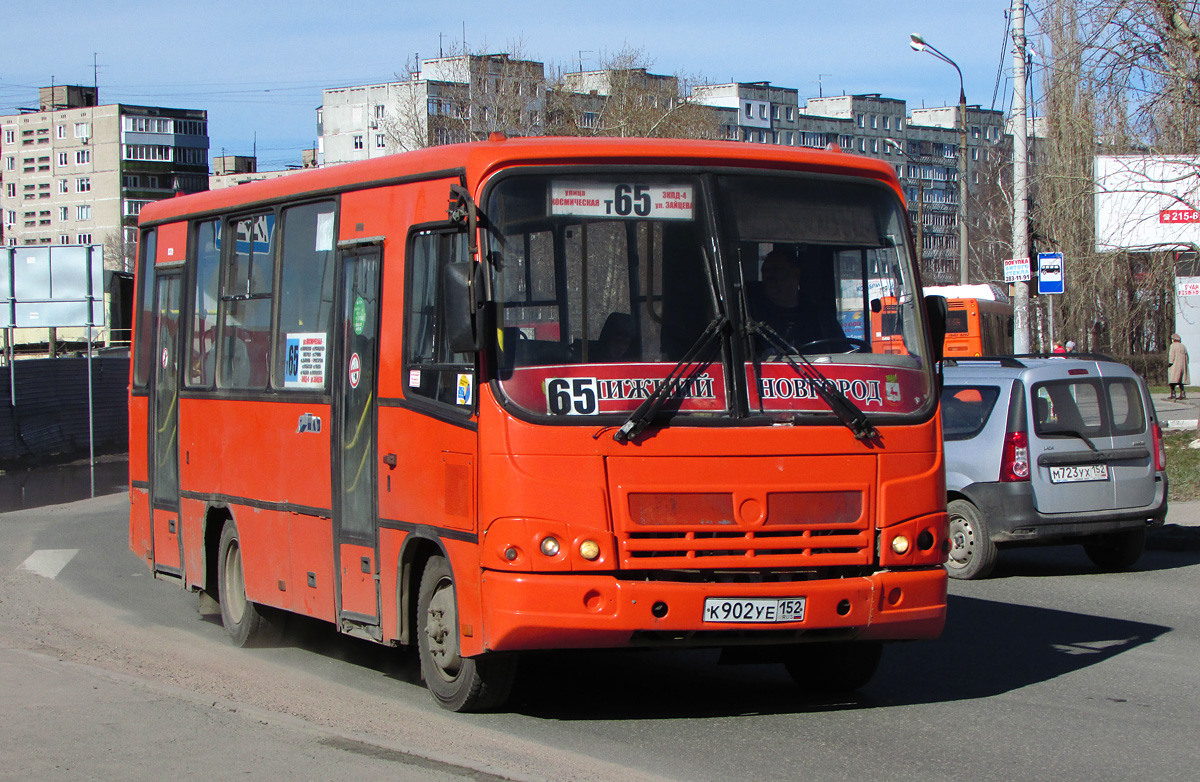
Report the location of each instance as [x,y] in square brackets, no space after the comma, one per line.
[1020,179]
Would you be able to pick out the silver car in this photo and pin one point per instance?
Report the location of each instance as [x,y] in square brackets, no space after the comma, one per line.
[1049,449]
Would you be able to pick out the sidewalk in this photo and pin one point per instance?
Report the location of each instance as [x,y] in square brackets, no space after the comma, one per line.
[1175,415]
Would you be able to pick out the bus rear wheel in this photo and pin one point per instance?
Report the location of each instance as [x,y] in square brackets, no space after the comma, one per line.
[833,668]
[458,683]
[242,619]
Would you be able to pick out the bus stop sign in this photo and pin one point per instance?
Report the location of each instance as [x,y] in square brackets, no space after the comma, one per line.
[1050,273]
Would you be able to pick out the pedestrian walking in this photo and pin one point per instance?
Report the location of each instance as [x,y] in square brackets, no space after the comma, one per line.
[1177,367]
[1070,346]
[1058,347]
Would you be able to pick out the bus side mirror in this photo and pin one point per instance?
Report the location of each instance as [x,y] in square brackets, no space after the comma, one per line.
[935,308]
[462,305]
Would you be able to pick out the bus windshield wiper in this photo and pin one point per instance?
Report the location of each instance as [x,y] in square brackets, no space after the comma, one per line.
[648,409]
[846,411]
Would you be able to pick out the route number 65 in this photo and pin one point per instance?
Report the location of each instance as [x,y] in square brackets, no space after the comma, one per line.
[572,396]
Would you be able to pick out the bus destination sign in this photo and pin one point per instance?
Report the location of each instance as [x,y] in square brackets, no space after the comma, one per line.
[622,200]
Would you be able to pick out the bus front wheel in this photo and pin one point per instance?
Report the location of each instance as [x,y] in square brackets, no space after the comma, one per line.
[242,619]
[458,683]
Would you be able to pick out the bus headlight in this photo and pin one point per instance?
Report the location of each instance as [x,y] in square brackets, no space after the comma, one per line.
[589,550]
[550,546]
[900,544]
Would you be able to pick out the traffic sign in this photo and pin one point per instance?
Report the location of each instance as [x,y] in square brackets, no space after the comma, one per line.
[1050,273]
[1016,270]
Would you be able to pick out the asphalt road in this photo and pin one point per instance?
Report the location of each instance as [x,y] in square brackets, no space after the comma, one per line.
[1049,670]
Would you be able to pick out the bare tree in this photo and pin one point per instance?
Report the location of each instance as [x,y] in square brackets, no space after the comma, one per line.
[118,253]
[623,99]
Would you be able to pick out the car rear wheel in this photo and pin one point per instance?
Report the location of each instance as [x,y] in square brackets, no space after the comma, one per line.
[972,552]
[1116,550]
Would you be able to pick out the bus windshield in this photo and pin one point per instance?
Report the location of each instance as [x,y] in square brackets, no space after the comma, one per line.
[606,281]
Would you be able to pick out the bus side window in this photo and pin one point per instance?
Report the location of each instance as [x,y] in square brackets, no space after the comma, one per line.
[306,267]
[245,320]
[207,270]
[431,370]
[145,309]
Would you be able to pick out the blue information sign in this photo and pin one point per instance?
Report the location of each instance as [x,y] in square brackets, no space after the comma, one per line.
[1050,273]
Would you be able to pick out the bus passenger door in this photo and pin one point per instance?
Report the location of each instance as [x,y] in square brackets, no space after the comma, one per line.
[164,436]
[354,443]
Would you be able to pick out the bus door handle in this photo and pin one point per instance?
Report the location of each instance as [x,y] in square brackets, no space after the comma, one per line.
[390,460]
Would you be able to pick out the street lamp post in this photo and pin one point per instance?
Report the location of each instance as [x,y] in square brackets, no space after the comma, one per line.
[920,227]
[920,45]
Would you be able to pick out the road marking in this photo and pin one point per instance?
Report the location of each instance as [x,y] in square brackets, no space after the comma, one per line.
[49,562]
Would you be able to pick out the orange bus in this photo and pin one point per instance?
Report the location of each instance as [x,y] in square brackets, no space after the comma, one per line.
[534,394]
[978,327]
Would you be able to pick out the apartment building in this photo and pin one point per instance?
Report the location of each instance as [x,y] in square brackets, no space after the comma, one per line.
[449,100]
[76,172]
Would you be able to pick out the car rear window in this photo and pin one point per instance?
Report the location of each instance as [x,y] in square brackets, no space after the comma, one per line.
[1092,407]
[965,410]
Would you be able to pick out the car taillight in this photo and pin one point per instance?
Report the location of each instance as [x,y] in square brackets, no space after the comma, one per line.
[1014,464]
[1160,455]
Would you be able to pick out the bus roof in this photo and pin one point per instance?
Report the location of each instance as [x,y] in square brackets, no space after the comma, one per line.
[475,161]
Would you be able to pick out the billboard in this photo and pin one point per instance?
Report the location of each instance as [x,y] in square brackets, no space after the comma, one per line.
[1146,202]
[52,286]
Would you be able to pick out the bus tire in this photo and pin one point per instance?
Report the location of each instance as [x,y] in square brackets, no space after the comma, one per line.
[242,619]
[972,552]
[457,683]
[1116,550]
[833,668]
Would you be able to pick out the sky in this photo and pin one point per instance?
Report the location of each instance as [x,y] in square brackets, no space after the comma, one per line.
[258,66]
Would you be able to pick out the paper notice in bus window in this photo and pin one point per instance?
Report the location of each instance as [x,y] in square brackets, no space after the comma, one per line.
[324,232]
[304,362]
[621,200]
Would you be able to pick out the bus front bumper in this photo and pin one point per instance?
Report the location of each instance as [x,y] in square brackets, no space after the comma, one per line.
[558,611]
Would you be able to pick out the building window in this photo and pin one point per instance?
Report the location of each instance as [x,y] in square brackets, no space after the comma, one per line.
[974,132]
[791,113]
[83,212]
[874,121]
[132,180]
[875,146]
[11,189]
[774,112]
[762,111]
[83,184]
[859,119]
[380,141]
[64,213]
[358,141]
[379,110]
[975,153]
[134,208]
[61,131]
[64,186]
[159,152]
[887,123]
[64,239]
[10,136]
[750,110]
[82,156]
[82,130]
[83,239]
[10,217]
[10,163]
[62,158]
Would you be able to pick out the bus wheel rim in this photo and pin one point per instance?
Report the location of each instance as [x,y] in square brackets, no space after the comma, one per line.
[235,589]
[441,629]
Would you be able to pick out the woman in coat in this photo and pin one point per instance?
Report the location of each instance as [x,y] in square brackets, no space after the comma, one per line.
[1177,367]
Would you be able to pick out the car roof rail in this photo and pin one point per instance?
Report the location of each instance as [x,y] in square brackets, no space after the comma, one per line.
[1085,356]
[1004,361]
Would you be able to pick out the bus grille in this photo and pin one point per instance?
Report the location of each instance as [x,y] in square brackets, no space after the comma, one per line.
[703,530]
